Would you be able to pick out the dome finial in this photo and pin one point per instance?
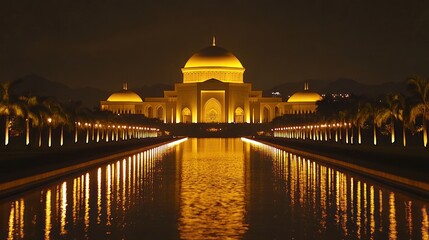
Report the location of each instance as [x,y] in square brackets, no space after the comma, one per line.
[125,86]
[214,41]
[305,86]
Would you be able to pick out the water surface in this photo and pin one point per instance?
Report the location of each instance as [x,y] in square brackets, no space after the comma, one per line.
[214,189]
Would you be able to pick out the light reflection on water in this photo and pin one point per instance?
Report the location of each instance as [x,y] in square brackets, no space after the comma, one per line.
[214,189]
[333,204]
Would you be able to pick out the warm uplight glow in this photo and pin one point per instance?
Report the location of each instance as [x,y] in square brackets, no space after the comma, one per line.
[213,56]
[124,96]
[305,96]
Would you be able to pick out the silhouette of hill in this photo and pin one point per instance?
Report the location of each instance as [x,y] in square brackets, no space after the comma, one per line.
[33,85]
[90,97]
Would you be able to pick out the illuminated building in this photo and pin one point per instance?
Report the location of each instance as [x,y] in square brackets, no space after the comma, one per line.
[213,90]
[303,102]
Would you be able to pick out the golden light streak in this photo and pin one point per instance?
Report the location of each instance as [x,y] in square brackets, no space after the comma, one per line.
[365,205]
[48,213]
[74,207]
[11,230]
[87,207]
[380,209]
[21,217]
[358,209]
[425,224]
[98,195]
[124,181]
[63,209]
[392,217]
[371,211]
[108,193]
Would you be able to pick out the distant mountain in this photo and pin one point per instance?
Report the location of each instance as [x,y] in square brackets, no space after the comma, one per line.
[34,85]
[90,97]
[342,85]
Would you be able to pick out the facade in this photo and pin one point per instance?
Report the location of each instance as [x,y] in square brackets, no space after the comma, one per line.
[213,91]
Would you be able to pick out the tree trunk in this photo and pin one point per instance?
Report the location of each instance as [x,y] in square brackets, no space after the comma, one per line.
[27,131]
[347,135]
[6,131]
[404,136]
[375,134]
[425,133]
[50,136]
[393,130]
[62,135]
[359,135]
[40,137]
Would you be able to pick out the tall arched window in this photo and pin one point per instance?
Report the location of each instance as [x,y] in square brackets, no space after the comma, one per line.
[266,114]
[212,111]
[160,113]
[150,112]
[186,115]
[239,115]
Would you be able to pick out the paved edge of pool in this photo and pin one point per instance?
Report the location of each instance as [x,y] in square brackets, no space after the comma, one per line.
[417,187]
[19,185]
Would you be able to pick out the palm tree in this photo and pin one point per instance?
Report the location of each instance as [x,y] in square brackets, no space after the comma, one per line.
[389,111]
[403,116]
[58,117]
[421,106]
[43,114]
[362,116]
[8,107]
[31,115]
[374,111]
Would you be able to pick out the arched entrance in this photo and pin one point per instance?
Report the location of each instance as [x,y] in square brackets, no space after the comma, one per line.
[266,116]
[150,112]
[212,111]
[239,115]
[160,113]
[186,115]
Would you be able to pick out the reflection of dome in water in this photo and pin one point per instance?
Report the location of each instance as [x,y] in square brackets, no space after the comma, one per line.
[305,96]
[124,95]
[213,56]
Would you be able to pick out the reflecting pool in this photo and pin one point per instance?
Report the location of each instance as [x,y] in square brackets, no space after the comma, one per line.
[214,189]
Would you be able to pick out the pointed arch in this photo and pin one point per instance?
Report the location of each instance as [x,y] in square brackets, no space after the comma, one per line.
[266,114]
[239,115]
[186,115]
[160,112]
[212,111]
[149,111]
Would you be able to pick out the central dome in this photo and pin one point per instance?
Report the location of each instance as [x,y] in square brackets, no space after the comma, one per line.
[213,56]
[213,62]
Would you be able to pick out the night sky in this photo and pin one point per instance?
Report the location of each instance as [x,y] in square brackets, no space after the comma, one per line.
[102,43]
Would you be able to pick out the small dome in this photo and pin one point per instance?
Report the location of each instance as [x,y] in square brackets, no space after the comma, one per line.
[213,56]
[124,96]
[305,96]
